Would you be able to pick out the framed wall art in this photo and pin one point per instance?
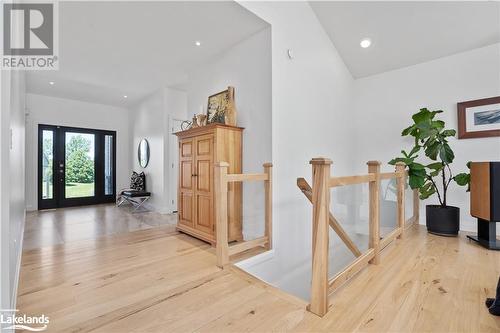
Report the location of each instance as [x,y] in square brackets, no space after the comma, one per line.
[221,108]
[479,118]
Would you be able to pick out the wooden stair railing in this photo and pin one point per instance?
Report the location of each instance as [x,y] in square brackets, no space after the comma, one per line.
[222,179]
[319,195]
[334,224]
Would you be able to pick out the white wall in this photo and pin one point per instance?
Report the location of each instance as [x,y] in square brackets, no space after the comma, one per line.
[66,112]
[247,67]
[311,116]
[150,119]
[12,168]
[176,109]
[384,104]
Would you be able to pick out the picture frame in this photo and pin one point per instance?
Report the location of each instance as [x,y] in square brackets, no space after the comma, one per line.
[479,118]
[221,108]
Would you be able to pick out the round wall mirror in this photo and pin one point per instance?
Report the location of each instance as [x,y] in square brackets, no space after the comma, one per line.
[143,153]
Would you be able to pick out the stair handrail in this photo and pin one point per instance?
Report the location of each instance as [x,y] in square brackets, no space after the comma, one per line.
[222,180]
[319,195]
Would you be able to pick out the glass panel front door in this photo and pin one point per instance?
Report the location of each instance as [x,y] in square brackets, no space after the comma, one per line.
[76,166]
[108,165]
[80,165]
[47,164]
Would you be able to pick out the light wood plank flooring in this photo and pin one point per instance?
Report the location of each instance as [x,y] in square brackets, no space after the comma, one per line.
[158,280]
[58,226]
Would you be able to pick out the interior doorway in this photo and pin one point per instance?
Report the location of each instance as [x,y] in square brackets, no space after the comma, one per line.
[76,166]
[175,126]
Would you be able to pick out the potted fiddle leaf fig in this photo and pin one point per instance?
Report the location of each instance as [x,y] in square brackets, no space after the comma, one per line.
[433,176]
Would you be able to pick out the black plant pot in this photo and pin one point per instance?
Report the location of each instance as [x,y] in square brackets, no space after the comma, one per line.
[443,221]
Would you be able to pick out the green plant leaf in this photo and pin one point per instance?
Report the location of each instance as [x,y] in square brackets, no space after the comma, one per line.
[417,166]
[462,179]
[446,154]
[396,160]
[426,191]
[449,132]
[417,172]
[423,116]
[432,150]
[427,186]
[438,124]
[435,166]
[434,173]
[416,181]
[408,130]
[415,150]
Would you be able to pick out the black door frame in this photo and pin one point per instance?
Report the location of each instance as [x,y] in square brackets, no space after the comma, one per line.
[58,187]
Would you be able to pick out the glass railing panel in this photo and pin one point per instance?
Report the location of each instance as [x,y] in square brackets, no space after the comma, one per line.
[388,206]
[408,201]
[350,207]
[253,209]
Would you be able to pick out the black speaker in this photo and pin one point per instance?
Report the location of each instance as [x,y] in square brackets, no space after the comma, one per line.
[495,191]
[485,202]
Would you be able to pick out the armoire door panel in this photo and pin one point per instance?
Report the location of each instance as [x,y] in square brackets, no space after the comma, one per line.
[204,213]
[186,170]
[204,146]
[186,211]
[186,148]
[203,178]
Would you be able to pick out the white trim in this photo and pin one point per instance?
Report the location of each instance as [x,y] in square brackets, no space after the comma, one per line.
[172,178]
[13,301]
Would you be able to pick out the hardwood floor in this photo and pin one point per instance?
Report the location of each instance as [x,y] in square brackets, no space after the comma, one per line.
[58,226]
[158,280]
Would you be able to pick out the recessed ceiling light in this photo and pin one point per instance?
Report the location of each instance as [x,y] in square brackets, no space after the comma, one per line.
[366,42]
[197,43]
[125,96]
[51,83]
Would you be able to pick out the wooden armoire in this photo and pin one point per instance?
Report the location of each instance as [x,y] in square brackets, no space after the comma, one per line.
[199,149]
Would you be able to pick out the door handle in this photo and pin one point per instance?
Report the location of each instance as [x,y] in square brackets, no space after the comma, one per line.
[194,175]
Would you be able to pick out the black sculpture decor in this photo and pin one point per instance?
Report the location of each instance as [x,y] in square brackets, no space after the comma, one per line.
[493,304]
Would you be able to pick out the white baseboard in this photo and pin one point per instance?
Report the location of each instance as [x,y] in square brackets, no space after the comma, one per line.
[13,300]
[158,209]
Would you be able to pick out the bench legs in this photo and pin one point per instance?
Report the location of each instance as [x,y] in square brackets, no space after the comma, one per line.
[136,202]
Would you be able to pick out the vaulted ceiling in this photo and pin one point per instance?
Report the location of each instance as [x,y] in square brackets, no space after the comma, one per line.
[112,49]
[405,33]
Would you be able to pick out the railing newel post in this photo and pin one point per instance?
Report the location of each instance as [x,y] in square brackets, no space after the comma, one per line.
[268,188]
[374,222]
[221,222]
[400,182]
[416,207]
[320,238]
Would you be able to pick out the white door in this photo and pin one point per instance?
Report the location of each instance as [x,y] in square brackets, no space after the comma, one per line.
[175,126]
